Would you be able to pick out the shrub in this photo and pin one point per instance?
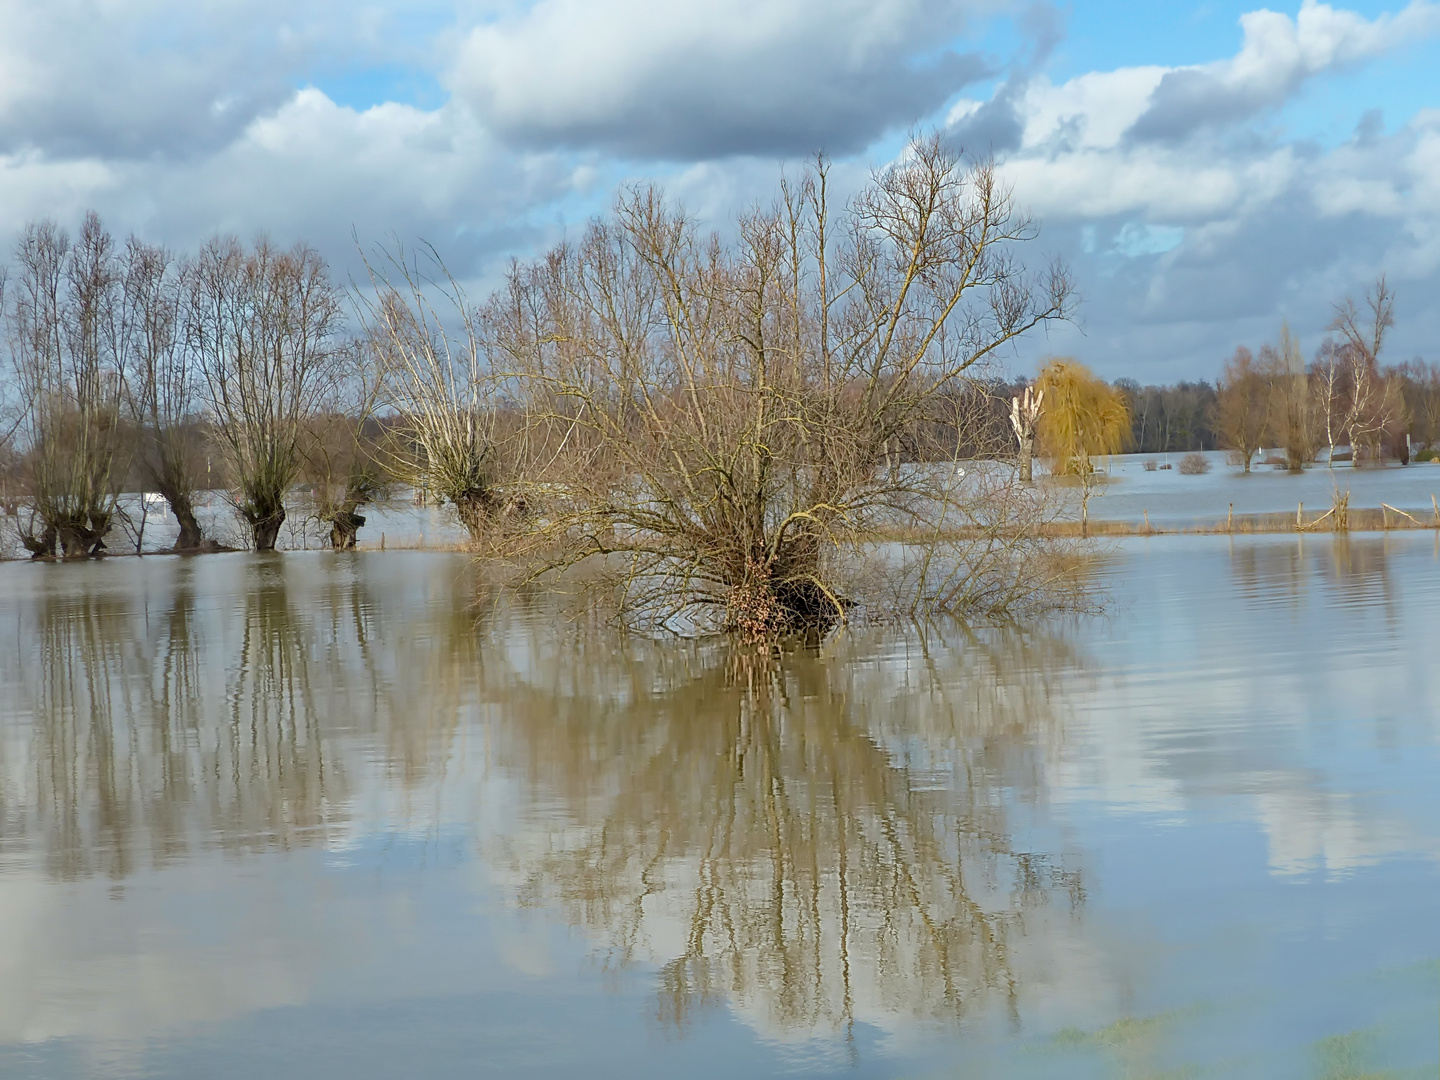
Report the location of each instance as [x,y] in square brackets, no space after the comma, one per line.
[1151,464]
[1194,464]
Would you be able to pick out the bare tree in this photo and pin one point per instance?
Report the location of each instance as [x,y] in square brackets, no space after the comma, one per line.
[263,326]
[1421,386]
[162,383]
[344,463]
[11,418]
[1330,383]
[437,379]
[1242,405]
[1355,400]
[63,321]
[723,422]
[1368,403]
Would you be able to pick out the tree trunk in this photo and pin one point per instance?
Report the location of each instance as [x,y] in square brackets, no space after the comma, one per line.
[343,527]
[1027,453]
[190,537]
[267,529]
[475,509]
[42,546]
[80,541]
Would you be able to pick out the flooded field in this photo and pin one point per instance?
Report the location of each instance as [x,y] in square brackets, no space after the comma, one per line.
[322,815]
[1170,498]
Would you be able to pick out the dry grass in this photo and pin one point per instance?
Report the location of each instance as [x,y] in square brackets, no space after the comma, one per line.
[1378,519]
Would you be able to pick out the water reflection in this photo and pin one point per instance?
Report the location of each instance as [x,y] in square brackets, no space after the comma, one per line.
[242,797]
[1351,572]
[158,721]
[806,838]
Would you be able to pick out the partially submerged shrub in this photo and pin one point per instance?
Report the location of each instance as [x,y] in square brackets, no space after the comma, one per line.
[1194,464]
[720,426]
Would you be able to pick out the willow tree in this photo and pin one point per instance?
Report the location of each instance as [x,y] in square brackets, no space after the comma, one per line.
[264,328]
[1294,423]
[62,319]
[437,380]
[162,384]
[344,460]
[1084,418]
[722,421]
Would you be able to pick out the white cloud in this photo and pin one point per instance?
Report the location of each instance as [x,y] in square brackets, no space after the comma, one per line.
[1278,55]
[182,119]
[171,77]
[318,171]
[1273,226]
[686,81]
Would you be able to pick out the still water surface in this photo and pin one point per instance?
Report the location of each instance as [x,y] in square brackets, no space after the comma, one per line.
[331,816]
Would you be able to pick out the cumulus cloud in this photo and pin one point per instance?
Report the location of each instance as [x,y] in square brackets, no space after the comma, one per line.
[318,171]
[167,77]
[1192,228]
[1278,55]
[1194,221]
[651,78]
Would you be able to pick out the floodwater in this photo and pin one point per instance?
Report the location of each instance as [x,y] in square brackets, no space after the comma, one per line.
[1169,497]
[322,815]
[1127,492]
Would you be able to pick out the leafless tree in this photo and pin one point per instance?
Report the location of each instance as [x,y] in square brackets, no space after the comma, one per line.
[437,380]
[344,461]
[162,383]
[1329,378]
[263,326]
[1367,403]
[721,420]
[1421,386]
[63,318]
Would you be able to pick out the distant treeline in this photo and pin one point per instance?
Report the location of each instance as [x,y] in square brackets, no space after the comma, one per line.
[1344,403]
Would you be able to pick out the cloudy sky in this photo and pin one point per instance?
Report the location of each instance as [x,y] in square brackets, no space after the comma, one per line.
[1209,169]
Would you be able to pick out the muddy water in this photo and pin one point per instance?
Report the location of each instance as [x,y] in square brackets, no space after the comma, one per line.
[315,815]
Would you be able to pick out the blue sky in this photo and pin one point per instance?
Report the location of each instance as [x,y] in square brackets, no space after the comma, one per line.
[1210,170]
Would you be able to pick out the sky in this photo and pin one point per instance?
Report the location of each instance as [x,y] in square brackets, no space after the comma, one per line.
[1208,170]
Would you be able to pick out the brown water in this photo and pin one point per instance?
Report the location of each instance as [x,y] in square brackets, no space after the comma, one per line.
[317,815]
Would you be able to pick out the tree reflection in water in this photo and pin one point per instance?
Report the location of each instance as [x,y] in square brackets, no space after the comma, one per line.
[809,839]
[1354,570]
[164,716]
[813,839]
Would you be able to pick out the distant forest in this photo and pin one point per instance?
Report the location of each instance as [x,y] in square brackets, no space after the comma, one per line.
[1166,419]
